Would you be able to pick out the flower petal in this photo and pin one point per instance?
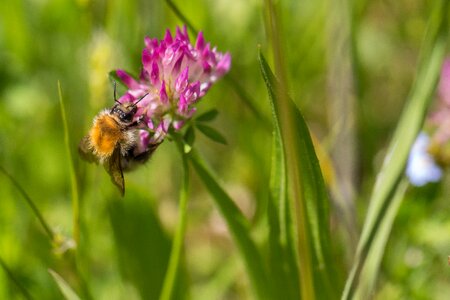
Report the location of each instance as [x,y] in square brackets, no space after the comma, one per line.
[200,43]
[182,80]
[163,93]
[129,81]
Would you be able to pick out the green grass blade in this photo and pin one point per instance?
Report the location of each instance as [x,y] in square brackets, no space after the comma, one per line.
[376,252]
[408,127]
[177,245]
[73,177]
[318,277]
[65,288]
[13,279]
[238,226]
[31,204]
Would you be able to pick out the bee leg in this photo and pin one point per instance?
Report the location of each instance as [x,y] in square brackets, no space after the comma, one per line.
[136,123]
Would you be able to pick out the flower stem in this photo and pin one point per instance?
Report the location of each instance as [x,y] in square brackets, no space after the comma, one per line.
[177,246]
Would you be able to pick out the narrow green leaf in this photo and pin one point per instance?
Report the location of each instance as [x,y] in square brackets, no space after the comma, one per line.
[316,256]
[207,116]
[73,177]
[64,287]
[411,120]
[239,229]
[114,78]
[212,133]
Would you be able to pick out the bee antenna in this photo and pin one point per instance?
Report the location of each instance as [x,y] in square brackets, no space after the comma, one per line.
[140,99]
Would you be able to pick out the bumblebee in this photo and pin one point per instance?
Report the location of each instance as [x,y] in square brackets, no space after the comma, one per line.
[113,141]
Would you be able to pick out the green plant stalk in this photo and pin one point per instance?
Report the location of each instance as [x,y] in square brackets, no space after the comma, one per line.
[305,256]
[411,120]
[177,246]
[13,279]
[31,204]
[238,227]
[73,177]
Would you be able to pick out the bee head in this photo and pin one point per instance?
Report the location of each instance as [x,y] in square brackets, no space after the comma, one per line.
[125,111]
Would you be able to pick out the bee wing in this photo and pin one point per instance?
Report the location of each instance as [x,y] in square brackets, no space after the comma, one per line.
[114,169]
[85,150]
[131,162]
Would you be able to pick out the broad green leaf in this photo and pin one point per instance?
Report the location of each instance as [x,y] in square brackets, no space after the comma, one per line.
[314,245]
[208,116]
[64,287]
[239,229]
[282,260]
[212,133]
[411,120]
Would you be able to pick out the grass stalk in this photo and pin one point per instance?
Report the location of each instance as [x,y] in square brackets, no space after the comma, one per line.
[31,204]
[73,177]
[13,279]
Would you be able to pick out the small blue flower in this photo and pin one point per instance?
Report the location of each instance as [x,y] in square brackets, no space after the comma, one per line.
[421,168]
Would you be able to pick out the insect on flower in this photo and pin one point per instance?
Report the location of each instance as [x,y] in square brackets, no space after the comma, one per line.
[114,141]
[175,76]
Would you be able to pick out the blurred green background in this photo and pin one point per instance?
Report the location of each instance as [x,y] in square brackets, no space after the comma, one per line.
[125,243]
